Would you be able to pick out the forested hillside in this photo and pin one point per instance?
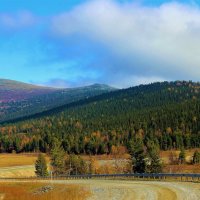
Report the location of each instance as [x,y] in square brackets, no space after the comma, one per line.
[20,99]
[165,115]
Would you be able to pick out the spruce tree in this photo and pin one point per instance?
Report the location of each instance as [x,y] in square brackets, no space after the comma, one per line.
[138,156]
[182,156]
[76,165]
[41,166]
[196,157]
[57,158]
[155,164]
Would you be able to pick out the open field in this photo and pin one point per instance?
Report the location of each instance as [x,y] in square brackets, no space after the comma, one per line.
[169,167]
[104,190]
[18,165]
[167,155]
[17,171]
[184,168]
[10,160]
[22,165]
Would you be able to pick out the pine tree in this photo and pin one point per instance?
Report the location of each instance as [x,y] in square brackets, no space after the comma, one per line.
[138,157]
[76,165]
[57,158]
[41,166]
[196,157]
[155,165]
[182,156]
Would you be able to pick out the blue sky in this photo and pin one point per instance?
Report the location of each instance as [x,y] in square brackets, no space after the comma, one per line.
[70,43]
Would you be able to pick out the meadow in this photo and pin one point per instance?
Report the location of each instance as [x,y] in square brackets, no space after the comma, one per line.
[22,165]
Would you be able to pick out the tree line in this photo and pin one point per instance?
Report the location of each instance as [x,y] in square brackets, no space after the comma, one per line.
[143,160]
[164,114]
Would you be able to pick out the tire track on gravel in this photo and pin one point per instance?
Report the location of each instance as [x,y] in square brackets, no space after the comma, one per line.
[141,190]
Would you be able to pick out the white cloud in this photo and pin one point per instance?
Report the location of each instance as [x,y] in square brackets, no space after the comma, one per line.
[162,42]
[132,80]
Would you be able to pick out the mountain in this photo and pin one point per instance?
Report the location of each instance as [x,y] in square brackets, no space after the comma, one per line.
[11,91]
[19,99]
[166,114]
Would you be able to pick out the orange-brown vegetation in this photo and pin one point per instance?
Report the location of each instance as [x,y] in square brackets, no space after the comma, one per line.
[24,191]
[112,166]
[171,164]
[182,168]
[107,156]
[171,156]
[117,162]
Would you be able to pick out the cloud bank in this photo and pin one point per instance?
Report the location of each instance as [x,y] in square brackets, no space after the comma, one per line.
[142,44]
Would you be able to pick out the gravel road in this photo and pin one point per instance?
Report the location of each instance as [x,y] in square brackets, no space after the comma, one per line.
[133,190]
[138,190]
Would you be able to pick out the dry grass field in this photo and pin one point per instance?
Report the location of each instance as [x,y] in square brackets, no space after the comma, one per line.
[24,191]
[10,160]
[18,165]
[169,167]
[184,168]
[22,165]
[167,155]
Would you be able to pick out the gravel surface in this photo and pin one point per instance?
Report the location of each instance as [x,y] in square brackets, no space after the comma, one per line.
[138,190]
[133,190]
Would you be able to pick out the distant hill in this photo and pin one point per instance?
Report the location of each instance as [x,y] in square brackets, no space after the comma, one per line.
[11,91]
[19,99]
[166,114]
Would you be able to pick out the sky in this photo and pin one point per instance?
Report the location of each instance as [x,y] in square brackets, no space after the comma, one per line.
[123,43]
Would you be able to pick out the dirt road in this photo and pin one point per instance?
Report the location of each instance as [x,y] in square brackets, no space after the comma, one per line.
[140,190]
[132,190]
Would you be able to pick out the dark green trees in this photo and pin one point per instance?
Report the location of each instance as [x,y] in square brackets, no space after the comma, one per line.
[138,155]
[76,165]
[41,166]
[145,159]
[196,158]
[170,112]
[181,157]
[155,164]
[57,158]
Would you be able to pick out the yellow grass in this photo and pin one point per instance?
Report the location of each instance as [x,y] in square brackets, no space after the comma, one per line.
[24,191]
[14,172]
[106,157]
[183,168]
[18,165]
[9,160]
[165,155]
[22,165]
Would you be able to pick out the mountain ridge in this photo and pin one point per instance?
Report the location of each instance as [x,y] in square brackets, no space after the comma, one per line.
[134,91]
[7,84]
[18,99]
[165,114]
